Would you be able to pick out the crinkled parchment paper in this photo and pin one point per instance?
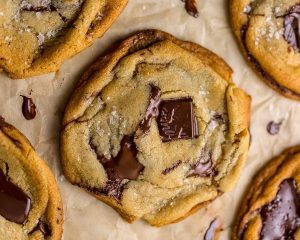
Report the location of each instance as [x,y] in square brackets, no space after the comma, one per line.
[85,217]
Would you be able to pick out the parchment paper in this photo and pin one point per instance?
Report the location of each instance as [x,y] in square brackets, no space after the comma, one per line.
[85,217]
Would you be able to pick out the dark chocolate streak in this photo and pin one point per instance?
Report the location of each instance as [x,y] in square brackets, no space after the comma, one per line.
[43,228]
[204,168]
[211,232]
[260,69]
[191,8]
[169,169]
[152,110]
[125,166]
[292,27]
[14,203]
[48,8]
[28,108]
[281,217]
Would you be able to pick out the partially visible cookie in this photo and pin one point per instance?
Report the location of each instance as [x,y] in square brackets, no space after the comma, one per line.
[268,34]
[156,128]
[271,207]
[36,36]
[30,202]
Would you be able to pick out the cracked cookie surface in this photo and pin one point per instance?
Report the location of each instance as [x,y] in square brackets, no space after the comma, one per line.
[37,36]
[271,207]
[268,34]
[31,206]
[156,128]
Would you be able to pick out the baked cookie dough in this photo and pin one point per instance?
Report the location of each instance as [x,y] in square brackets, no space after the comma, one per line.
[30,202]
[37,36]
[271,207]
[156,128]
[268,34]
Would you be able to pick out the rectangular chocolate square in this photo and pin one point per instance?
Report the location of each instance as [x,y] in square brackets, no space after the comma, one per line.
[177,120]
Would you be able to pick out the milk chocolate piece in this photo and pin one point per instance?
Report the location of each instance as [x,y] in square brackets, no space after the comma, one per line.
[281,217]
[177,120]
[152,110]
[291,27]
[14,203]
[43,228]
[28,108]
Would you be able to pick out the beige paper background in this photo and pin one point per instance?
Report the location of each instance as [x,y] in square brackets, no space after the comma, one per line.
[85,217]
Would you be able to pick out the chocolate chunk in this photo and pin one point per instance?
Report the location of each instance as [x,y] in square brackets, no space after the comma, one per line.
[28,108]
[125,166]
[152,110]
[43,228]
[177,120]
[204,168]
[191,8]
[213,229]
[291,27]
[273,128]
[14,203]
[168,170]
[281,217]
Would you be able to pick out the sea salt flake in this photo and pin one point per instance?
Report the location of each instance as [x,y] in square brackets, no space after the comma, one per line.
[277,9]
[247,9]
[38,14]
[277,35]
[8,39]
[99,16]
[212,125]
[263,31]
[41,38]
[203,92]
[25,4]
[51,33]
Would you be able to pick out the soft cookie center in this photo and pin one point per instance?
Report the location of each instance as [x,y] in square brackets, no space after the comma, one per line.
[176,120]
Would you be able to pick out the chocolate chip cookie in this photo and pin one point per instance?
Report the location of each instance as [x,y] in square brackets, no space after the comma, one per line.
[30,203]
[37,36]
[271,207]
[156,128]
[268,34]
